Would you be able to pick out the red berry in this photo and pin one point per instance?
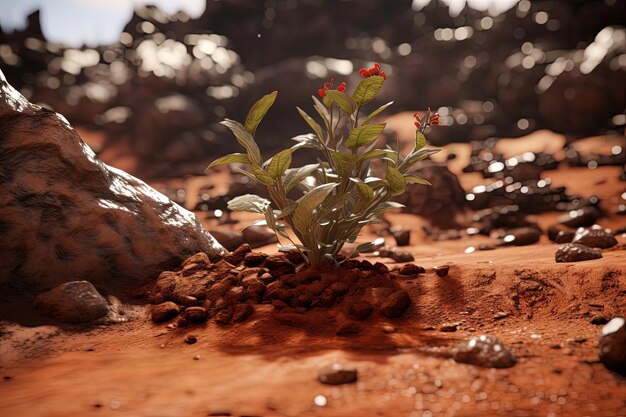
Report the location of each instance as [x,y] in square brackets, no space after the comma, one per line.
[382,74]
[364,73]
[321,92]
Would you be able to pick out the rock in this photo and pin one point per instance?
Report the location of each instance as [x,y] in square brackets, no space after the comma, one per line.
[443,203]
[594,237]
[74,302]
[442,271]
[348,329]
[599,320]
[337,374]
[397,255]
[521,236]
[395,304]
[195,314]
[612,347]
[411,269]
[402,236]
[231,240]
[486,351]
[564,236]
[360,310]
[64,213]
[190,340]
[258,236]
[224,316]
[295,256]
[164,311]
[279,265]
[253,259]
[581,217]
[449,327]
[242,312]
[572,252]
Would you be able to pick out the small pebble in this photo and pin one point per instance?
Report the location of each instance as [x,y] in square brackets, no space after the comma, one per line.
[190,340]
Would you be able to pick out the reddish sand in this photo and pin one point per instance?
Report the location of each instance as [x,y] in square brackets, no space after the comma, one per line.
[267,366]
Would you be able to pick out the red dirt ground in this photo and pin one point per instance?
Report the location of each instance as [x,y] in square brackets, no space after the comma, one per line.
[267,366]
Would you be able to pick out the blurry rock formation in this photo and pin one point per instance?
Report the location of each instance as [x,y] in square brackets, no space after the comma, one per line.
[66,216]
[160,90]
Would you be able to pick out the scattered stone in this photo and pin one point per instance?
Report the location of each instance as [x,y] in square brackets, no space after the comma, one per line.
[397,255]
[599,320]
[224,316]
[521,236]
[74,302]
[388,328]
[231,240]
[572,252]
[190,340]
[501,315]
[253,259]
[411,269]
[279,265]
[395,304]
[360,310]
[485,351]
[594,237]
[449,327]
[257,236]
[295,257]
[402,236]
[612,347]
[582,217]
[337,374]
[483,246]
[564,236]
[242,312]
[195,315]
[442,271]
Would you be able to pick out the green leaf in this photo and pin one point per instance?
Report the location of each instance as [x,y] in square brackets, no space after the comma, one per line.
[249,202]
[341,160]
[420,140]
[376,153]
[245,139]
[317,129]
[395,180]
[279,163]
[364,190]
[364,135]
[414,179]
[307,204]
[367,89]
[261,175]
[376,113]
[294,176]
[322,111]
[417,156]
[343,101]
[258,110]
[232,158]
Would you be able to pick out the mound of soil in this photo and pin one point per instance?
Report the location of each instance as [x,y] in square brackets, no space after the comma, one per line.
[227,291]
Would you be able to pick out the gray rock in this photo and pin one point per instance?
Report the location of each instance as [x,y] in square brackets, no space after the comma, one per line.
[337,374]
[594,237]
[572,252]
[486,351]
[64,213]
[73,302]
[612,347]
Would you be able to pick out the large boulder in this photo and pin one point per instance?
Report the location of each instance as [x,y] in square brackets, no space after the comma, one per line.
[66,216]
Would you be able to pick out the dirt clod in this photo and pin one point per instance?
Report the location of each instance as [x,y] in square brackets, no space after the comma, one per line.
[164,311]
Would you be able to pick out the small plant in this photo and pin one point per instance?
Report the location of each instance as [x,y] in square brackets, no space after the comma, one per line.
[326,204]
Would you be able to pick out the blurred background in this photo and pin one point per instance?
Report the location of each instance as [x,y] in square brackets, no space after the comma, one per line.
[147,81]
